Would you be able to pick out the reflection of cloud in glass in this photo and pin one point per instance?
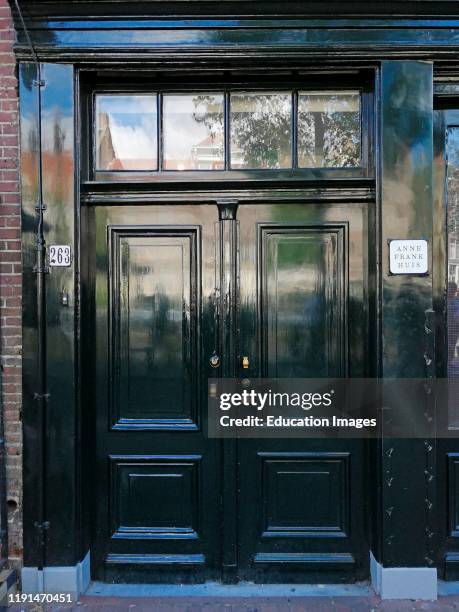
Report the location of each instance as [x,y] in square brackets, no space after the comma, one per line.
[328,129]
[193,132]
[453,149]
[261,130]
[126,132]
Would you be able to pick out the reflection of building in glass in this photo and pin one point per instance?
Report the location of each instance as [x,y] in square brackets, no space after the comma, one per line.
[208,154]
[117,150]
[453,262]
[126,141]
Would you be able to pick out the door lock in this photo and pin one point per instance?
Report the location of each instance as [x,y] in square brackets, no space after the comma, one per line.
[214,361]
[245,363]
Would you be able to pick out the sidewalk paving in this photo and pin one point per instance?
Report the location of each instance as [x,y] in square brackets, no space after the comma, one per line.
[244,604]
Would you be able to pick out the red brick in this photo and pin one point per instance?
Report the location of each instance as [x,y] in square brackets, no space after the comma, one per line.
[13,221]
[10,209]
[9,135]
[5,234]
[10,198]
[8,163]
[13,256]
[10,276]
[8,151]
[13,302]
[8,105]
[10,245]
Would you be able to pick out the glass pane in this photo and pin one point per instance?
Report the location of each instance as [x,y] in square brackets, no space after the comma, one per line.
[453,268]
[193,136]
[126,133]
[261,130]
[328,130]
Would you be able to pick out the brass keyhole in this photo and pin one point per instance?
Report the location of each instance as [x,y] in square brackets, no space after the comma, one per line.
[214,361]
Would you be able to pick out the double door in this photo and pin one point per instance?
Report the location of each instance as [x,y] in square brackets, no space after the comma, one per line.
[170,287]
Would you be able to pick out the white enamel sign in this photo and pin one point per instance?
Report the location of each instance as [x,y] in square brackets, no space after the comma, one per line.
[60,255]
[408,257]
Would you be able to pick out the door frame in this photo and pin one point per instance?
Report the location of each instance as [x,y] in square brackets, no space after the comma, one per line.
[226,202]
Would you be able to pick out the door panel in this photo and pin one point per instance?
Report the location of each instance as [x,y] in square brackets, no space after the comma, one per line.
[154,339]
[301,320]
[154,309]
[303,310]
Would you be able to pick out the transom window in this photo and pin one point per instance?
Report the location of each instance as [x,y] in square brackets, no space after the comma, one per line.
[211,131]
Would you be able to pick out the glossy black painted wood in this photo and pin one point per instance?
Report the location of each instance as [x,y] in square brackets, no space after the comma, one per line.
[447,553]
[405,180]
[158,479]
[58,187]
[259,39]
[303,313]
[193,509]
[360,80]
[29,108]
[99,8]
[94,33]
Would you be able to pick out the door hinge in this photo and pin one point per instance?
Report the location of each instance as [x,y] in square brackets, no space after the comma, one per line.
[41,396]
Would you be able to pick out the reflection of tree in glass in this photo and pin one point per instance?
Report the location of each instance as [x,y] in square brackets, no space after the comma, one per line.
[209,112]
[261,130]
[328,131]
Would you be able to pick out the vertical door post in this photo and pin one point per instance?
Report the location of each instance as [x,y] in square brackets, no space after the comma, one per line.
[228,269]
[406,205]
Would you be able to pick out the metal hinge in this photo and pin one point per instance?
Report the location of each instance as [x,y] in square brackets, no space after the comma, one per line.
[44,269]
[41,396]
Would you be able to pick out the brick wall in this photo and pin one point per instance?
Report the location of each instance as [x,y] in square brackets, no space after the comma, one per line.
[10,278]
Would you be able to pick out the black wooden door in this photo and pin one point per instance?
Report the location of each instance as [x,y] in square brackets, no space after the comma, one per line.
[445,263]
[304,314]
[158,478]
[285,286]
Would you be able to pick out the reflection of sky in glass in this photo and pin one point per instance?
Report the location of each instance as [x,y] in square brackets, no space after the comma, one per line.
[126,132]
[453,202]
[453,149]
[329,129]
[193,132]
[261,130]
[193,129]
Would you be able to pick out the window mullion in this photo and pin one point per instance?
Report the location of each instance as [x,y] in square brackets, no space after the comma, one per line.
[295,130]
[227,139]
[160,132]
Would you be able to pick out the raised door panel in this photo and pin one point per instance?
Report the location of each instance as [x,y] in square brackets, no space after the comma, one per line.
[302,310]
[325,476]
[154,296]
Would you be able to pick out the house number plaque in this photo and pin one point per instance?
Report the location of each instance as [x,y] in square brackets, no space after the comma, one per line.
[60,255]
[408,257]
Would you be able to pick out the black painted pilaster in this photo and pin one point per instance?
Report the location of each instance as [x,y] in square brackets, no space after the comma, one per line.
[405,189]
